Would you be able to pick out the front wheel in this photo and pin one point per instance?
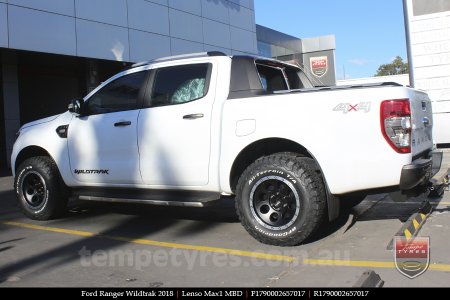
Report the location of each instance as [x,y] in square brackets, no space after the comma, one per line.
[39,189]
[280,199]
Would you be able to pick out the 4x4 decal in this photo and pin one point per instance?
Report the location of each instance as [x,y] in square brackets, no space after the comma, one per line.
[347,107]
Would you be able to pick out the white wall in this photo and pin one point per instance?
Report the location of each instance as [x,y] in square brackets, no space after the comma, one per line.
[401,79]
[430,45]
[128,30]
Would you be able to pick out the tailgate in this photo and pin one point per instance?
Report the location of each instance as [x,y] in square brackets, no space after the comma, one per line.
[422,122]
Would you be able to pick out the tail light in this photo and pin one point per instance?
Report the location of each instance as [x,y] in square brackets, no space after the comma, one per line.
[396,124]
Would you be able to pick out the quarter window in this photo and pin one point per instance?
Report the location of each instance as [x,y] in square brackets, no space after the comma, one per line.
[180,84]
[119,95]
[293,78]
[272,79]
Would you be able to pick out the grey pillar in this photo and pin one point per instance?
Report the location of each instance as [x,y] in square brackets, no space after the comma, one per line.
[406,12]
[10,100]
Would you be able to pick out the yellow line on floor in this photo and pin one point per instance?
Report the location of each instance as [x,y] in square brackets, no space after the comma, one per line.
[349,263]
[259,255]
[234,252]
[439,267]
[52,229]
[367,264]
[408,202]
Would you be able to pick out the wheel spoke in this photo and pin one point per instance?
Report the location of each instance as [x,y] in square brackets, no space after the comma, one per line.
[285,190]
[269,187]
[287,213]
[267,217]
[29,182]
[277,219]
[35,198]
[274,202]
[260,204]
[33,189]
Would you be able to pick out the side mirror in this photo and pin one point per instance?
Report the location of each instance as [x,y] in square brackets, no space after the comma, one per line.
[75,107]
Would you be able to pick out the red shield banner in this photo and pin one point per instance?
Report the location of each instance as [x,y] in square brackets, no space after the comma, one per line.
[412,257]
[319,65]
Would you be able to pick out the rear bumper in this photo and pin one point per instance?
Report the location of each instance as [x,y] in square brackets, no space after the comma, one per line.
[420,171]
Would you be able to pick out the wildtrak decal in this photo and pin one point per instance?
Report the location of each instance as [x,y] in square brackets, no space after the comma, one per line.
[106,172]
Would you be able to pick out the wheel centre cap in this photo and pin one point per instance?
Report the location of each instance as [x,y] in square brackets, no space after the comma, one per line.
[276,201]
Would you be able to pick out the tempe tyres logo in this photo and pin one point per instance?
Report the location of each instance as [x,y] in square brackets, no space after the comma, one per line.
[319,65]
[412,256]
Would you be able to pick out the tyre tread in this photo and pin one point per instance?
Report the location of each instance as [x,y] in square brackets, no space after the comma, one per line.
[305,170]
[57,201]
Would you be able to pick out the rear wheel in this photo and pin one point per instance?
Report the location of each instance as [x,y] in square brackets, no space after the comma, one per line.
[281,200]
[39,188]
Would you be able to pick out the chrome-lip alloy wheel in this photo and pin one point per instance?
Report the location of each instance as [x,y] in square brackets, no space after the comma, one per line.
[34,190]
[274,202]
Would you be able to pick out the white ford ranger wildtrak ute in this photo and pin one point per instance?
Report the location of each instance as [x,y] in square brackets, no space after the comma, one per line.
[185,130]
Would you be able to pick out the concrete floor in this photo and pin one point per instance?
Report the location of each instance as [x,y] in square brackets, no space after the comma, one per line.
[105,245]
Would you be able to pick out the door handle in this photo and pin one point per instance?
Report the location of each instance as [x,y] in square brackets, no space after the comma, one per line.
[193,116]
[122,124]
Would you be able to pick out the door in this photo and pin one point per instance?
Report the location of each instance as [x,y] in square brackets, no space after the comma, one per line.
[174,131]
[103,140]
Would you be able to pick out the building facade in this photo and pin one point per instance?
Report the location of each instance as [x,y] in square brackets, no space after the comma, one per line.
[429,27]
[55,50]
[316,55]
[52,51]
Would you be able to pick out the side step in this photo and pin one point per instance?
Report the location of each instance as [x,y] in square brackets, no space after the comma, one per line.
[151,197]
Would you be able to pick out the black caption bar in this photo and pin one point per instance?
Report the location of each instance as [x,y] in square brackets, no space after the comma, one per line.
[235,293]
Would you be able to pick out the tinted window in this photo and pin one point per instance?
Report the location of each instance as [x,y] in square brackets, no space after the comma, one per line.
[118,95]
[272,79]
[293,79]
[181,84]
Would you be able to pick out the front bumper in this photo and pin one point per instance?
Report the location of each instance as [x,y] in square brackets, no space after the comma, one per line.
[420,171]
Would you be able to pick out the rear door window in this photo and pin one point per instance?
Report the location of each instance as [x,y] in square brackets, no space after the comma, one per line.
[180,84]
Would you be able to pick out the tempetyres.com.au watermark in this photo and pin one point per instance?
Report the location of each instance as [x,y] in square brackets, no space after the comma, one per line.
[190,259]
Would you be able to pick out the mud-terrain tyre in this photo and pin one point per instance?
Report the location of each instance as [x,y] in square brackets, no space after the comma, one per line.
[281,199]
[39,188]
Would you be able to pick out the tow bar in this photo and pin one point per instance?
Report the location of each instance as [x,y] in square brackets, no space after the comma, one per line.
[438,184]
